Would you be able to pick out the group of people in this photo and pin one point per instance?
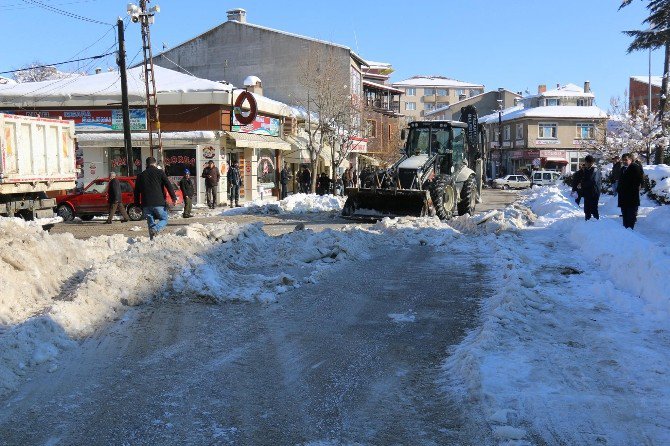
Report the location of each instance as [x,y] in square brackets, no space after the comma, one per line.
[626,177]
[212,176]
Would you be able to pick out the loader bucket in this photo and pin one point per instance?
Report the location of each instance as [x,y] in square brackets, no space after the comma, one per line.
[375,204]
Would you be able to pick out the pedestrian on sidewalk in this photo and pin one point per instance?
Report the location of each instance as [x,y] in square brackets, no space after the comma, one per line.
[188,190]
[576,183]
[114,199]
[628,189]
[211,175]
[234,183]
[590,186]
[285,177]
[150,196]
[306,180]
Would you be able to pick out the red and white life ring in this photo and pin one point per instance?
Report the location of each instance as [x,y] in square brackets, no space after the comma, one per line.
[245,118]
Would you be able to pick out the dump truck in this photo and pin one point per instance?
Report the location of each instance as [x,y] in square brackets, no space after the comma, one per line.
[37,157]
[439,173]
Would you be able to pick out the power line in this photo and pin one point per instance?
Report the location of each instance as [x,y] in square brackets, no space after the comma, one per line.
[65,13]
[100,56]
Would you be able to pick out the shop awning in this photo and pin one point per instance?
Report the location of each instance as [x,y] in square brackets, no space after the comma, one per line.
[299,153]
[141,139]
[254,141]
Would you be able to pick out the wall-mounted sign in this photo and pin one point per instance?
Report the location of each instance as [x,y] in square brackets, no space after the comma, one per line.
[92,120]
[262,125]
[546,142]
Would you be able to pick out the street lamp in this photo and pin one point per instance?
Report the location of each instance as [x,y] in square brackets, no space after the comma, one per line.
[500,135]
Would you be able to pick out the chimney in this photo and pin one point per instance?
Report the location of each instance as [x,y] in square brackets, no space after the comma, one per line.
[587,87]
[541,89]
[237,15]
[98,70]
[253,85]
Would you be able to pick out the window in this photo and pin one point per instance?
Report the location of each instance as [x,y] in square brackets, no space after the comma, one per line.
[410,92]
[458,146]
[370,128]
[430,106]
[99,187]
[581,102]
[442,92]
[552,101]
[585,131]
[118,163]
[410,105]
[519,131]
[428,91]
[547,130]
[546,176]
[460,91]
[507,132]
[126,188]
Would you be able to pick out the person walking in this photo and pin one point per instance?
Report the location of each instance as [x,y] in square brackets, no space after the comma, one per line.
[188,190]
[211,175]
[324,184]
[616,173]
[590,186]
[285,177]
[576,183]
[628,188]
[234,183]
[150,189]
[114,199]
[354,178]
[306,180]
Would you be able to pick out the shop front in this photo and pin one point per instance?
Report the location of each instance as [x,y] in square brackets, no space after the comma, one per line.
[554,160]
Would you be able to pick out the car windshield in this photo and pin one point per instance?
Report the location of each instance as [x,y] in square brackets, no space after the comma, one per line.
[426,140]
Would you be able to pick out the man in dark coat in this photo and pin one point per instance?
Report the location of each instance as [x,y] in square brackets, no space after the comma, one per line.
[628,188]
[616,173]
[306,180]
[150,196]
[285,177]
[114,199]
[188,190]
[324,184]
[576,183]
[234,183]
[591,185]
[211,175]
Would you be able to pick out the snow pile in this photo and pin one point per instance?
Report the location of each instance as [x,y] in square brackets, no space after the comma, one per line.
[293,204]
[574,335]
[659,179]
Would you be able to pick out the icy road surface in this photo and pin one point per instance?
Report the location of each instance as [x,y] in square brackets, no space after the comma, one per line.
[352,359]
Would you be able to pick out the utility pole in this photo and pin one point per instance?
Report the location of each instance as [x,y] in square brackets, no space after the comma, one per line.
[127,143]
[146,17]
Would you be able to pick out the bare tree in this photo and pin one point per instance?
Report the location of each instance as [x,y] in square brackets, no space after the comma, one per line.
[37,72]
[328,100]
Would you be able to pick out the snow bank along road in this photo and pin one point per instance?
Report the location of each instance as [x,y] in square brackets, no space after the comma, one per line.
[504,328]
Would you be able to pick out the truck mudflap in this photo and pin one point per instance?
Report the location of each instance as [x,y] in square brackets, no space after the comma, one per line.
[375,204]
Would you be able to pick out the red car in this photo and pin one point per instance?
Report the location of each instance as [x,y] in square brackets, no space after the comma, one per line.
[92,200]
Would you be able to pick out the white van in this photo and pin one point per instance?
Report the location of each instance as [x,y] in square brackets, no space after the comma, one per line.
[544,177]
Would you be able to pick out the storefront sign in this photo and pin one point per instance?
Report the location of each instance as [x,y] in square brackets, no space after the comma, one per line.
[583,142]
[516,154]
[531,154]
[554,155]
[262,125]
[547,142]
[92,120]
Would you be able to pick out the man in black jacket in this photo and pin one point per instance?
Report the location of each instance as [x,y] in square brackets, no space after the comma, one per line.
[150,195]
[628,189]
[114,199]
[576,183]
[591,184]
[234,183]
[616,173]
[285,177]
[211,175]
[188,190]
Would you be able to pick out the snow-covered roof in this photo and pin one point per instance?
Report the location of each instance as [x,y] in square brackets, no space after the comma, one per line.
[655,80]
[104,89]
[434,81]
[251,81]
[563,91]
[382,87]
[6,81]
[559,111]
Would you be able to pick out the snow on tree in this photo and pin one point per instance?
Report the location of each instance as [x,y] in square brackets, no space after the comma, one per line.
[37,72]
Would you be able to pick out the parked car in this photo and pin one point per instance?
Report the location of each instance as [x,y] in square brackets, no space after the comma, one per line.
[92,201]
[512,182]
[545,177]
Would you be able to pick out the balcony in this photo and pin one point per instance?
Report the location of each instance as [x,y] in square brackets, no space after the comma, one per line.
[383,105]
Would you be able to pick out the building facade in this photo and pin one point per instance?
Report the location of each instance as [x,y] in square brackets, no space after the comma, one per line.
[639,92]
[551,130]
[485,103]
[423,94]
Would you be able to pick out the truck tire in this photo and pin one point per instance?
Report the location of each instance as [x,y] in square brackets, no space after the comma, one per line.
[443,196]
[65,212]
[468,197]
[135,213]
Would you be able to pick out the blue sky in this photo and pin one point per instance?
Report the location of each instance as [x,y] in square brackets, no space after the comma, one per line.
[516,44]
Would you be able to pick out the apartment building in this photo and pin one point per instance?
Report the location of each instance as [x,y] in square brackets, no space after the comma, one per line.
[553,129]
[423,94]
[485,103]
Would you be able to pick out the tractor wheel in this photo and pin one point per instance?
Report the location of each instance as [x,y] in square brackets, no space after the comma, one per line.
[468,197]
[443,195]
